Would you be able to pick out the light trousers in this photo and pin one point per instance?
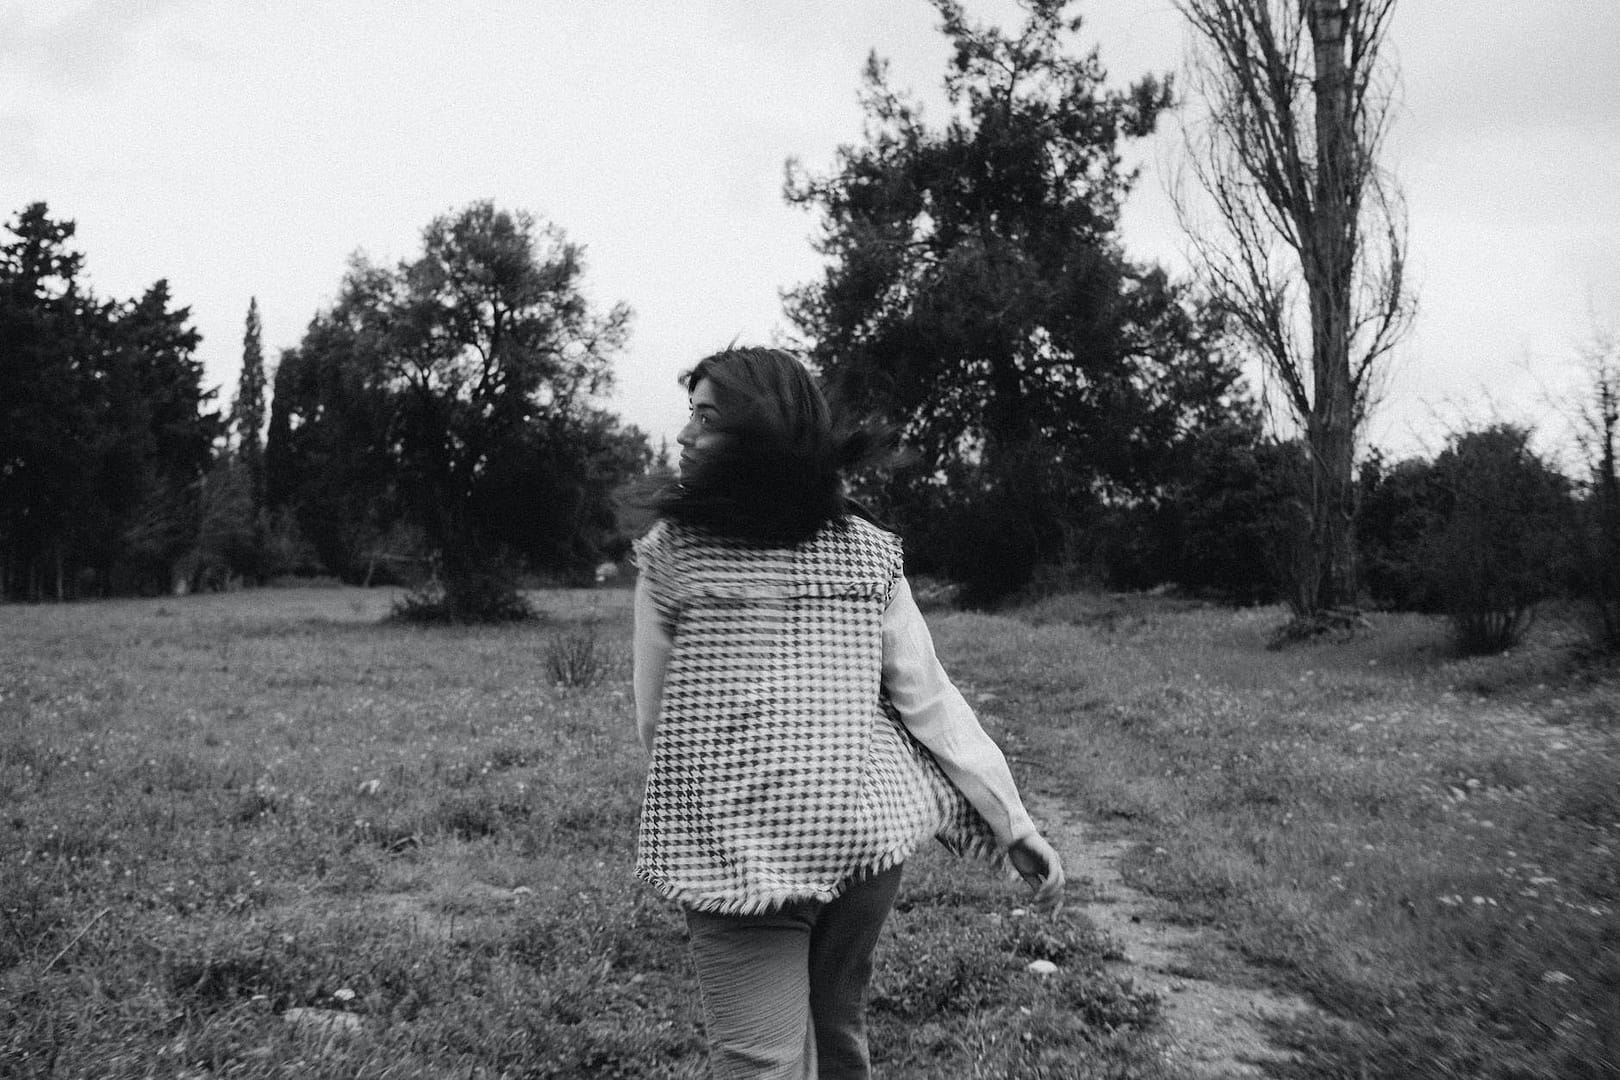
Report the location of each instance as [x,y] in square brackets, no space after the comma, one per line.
[784,994]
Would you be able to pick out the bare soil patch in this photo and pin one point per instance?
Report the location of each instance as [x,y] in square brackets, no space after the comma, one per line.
[1213,1028]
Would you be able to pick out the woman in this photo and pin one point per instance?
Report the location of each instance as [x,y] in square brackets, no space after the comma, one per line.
[804,737]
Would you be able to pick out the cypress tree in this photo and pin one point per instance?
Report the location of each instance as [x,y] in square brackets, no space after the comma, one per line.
[247,412]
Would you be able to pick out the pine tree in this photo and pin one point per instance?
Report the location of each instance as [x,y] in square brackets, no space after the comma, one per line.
[47,403]
[977,297]
[105,432]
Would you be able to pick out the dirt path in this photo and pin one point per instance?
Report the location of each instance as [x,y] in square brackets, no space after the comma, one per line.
[1212,1031]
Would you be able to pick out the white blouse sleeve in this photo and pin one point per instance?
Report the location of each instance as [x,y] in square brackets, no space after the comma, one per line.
[933,710]
[650,647]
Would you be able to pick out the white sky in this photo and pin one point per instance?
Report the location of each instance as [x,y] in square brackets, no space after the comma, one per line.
[244,148]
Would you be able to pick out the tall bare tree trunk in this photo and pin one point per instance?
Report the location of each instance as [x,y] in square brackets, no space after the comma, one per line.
[1308,250]
[1331,430]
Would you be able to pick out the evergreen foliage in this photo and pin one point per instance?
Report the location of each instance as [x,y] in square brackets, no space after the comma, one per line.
[1401,504]
[1229,523]
[328,473]
[976,296]
[104,430]
[439,422]
[247,410]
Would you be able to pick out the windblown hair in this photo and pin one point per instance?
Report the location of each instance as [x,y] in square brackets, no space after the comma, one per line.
[777,475]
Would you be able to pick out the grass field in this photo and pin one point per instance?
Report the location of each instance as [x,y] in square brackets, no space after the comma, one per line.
[272,834]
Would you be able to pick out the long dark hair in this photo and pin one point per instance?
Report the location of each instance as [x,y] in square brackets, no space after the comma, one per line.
[777,475]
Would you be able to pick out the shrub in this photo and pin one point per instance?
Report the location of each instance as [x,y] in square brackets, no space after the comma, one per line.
[1496,545]
[485,594]
[576,659]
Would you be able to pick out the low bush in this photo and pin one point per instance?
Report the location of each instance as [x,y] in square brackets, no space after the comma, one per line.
[1496,546]
[485,596]
[577,658]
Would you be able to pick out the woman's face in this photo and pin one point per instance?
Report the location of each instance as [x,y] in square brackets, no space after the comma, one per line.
[702,431]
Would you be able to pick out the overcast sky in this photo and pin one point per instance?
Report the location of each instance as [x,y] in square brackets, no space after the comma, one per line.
[245,148]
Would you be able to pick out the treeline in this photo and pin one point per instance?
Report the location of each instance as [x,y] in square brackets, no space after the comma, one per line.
[439,425]
[1071,417]
[1483,532]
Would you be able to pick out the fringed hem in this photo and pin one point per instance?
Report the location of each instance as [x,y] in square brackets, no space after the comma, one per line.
[985,849]
[977,847]
[761,904]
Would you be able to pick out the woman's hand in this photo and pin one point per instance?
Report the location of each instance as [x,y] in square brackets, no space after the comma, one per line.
[1037,863]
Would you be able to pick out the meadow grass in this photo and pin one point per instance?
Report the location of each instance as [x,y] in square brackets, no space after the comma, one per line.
[275,834]
[1423,846]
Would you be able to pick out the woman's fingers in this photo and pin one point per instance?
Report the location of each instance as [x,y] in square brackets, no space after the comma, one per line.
[1037,863]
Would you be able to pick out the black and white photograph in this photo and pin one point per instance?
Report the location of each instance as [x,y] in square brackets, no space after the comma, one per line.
[932,539]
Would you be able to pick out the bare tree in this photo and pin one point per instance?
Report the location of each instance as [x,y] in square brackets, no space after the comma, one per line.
[1304,240]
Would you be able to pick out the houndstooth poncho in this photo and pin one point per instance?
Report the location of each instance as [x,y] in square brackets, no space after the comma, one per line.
[780,770]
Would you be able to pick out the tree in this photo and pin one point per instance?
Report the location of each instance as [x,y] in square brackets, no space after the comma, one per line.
[329,461]
[1228,518]
[1296,108]
[103,428]
[976,294]
[45,416]
[548,495]
[247,410]
[1400,504]
[450,373]
[242,542]
[163,437]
